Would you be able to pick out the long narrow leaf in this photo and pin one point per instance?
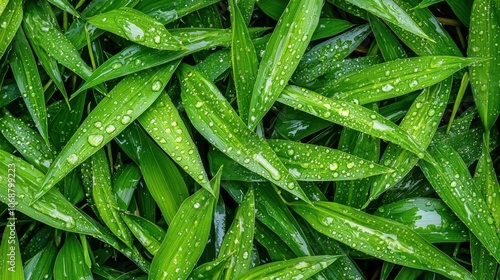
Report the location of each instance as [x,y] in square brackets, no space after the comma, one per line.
[286,46]
[129,99]
[215,119]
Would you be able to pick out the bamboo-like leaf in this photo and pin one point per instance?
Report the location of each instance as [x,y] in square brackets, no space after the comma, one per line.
[286,46]
[379,237]
[49,38]
[390,11]
[27,141]
[316,163]
[486,178]
[451,179]
[166,12]
[244,61]
[10,20]
[209,270]
[462,10]
[102,196]
[43,11]
[11,265]
[149,235]
[328,27]
[136,27]
[137,58]
[484,42]
[349,115]
[429,217]
[484,265]
[65,120]
[124,183]
[163,122]
[238,242]
[69,261]
[42,264]
[65,6]
[354,193]
[443,44]
[25,72]
[3,5]
[178,253]
[162,178]
[216,120]
[299,268]
[129,99]
[322,57]
[421,122]
[395,78]
[388,44]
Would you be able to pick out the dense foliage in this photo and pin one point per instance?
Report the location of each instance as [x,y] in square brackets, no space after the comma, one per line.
[249,139]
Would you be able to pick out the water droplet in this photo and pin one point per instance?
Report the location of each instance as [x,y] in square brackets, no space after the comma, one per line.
[387,87]
[4,24]
[196,205]
[484,88]
[156,86]
[95,139]
[157,39]
[125,119]
[431,112]
[116,65]
[334,166]
[110,128]
[453,184]
[72,159]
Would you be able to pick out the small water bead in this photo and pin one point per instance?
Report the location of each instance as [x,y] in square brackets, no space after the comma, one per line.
[72,159]
[453,184]
[116,65]
[125,119]
[110,128]
[387,87]
[197,205]
[4,24]
[156,86]
[98,124]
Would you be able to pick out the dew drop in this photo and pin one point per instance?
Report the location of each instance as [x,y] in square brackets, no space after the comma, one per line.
[196,205]
[116,65]
[156,86]
[110,128]
[72,159]
[387,87]
[95,139]
[125,119]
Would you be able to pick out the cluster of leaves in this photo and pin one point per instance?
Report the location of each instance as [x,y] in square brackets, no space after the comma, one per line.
[271,139]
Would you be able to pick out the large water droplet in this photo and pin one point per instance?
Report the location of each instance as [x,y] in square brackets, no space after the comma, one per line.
[95,139]
[387,87]
[72,159]
[156,86]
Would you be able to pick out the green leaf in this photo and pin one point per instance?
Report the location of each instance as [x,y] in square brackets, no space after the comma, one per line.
[166,12]
[10,20]
[26,141]
[136,27]
[421,122]
[299,268]
[11,265]
[328,27]
[163,122]
[429,217]
[212,115]
[209,270]
[349,115]
[65,6]
[137,58]
[325,55]
[178,253]
[43,11]
[390,11]
[244,61]
[286,46]
[451,179]
[378,237]
[395,78]
[102,196]
[42,264]
[149,234]
[69,262]
[486,179]
[124,183]
[238,242]
[129,99]
[25,72]
[316,163]
[388,44]
[484,264]
[484,42]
